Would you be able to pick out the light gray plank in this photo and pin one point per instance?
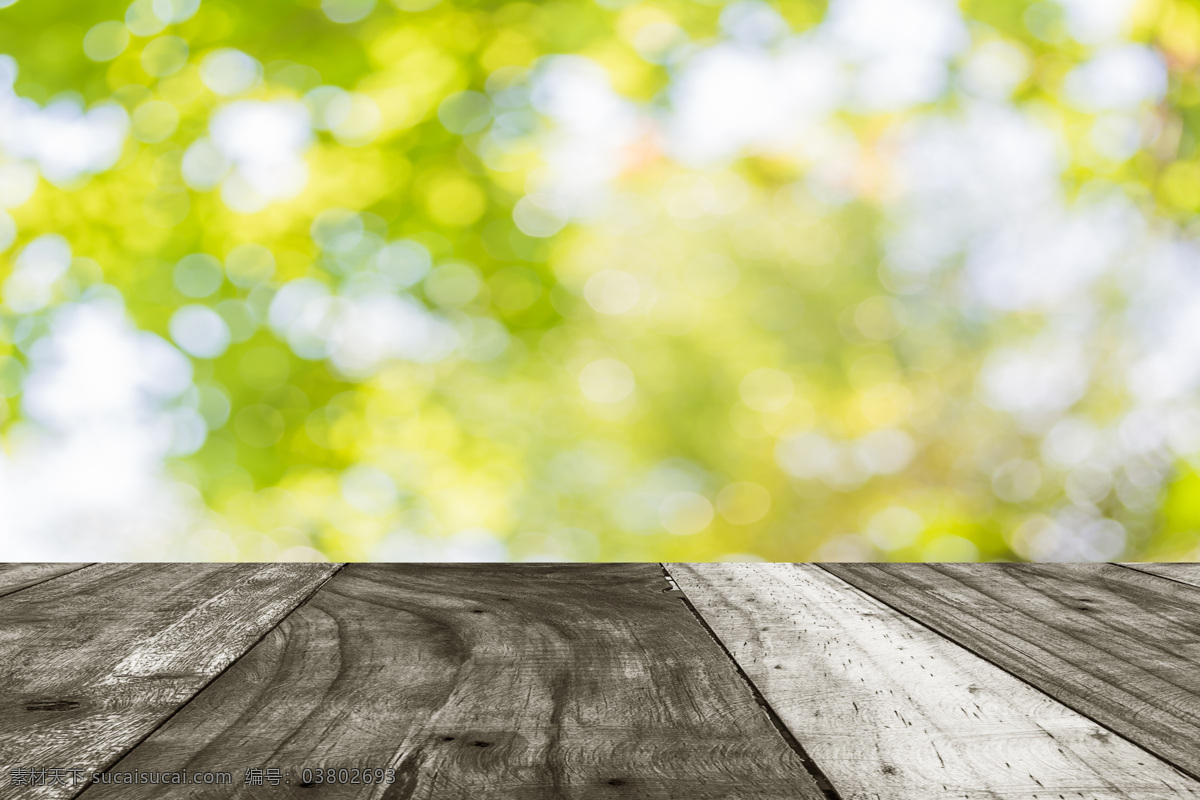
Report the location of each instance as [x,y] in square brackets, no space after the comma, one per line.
[890,710]
[92,662]
[1119,645]
[483,682]
[16,576]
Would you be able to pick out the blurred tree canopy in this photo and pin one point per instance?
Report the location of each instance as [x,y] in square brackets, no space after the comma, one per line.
[355,279]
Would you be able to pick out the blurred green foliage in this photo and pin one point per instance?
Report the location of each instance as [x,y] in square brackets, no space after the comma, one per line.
[624,388]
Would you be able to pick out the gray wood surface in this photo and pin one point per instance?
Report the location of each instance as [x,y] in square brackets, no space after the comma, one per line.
[15,577]
[480,682]
[1184,572]
[889,709]
[93,661]
[1118,645]
[533,682]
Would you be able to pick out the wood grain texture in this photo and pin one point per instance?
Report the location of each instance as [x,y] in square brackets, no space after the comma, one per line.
[91,662]
[15,577]
[890,710]
[1118,645]
[1184,572]
[484,682]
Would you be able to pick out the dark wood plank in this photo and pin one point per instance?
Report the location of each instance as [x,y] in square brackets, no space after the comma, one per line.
[482,682]
[1117,645]
[14,577]
[1184,572]
[890,709]
[91,662]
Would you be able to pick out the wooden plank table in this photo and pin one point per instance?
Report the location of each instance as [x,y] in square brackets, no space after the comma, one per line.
[590,681]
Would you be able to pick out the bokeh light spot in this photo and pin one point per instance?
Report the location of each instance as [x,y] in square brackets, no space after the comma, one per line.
[685,513]
[198,275]
[248,265]
[612,291]
[164,56]
[540,215]
[452,284]
[403,263]
[199,331]
[228,71]
[607,380]
[154,121]
[744,502]
[142,20]
[766,389]
[105,41]
[465,112]
[347,11]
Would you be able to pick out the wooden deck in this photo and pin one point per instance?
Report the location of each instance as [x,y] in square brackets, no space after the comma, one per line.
[591,681]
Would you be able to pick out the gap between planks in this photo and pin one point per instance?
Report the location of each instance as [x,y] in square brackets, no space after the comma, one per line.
[117,758]
[822,781]
[1154,569]
[6,591]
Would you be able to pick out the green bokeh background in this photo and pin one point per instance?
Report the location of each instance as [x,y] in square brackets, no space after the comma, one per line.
[771,320]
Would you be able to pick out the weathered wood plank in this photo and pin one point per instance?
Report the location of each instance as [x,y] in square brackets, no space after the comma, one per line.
[484,682]
[1117,645]
[91,662]
[1184,572]
[890,710]
[14,577]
